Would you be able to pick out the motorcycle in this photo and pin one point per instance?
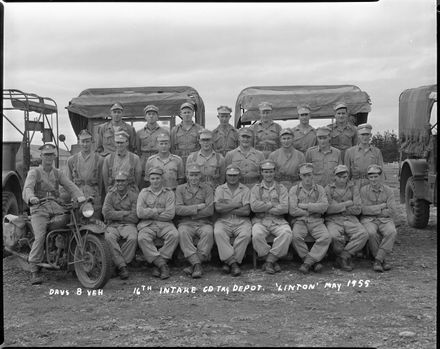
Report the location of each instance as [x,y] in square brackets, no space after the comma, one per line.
[74,242]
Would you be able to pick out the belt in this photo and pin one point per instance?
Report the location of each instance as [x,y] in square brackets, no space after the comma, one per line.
[230,216]
[249,180]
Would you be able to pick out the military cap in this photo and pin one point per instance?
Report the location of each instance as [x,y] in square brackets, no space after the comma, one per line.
[117,106]
[193,168]
[323,131]
[223,109]
[155,170]
[48,148]
[205,134]
[340,106]
[151,107]
[245,131]
[121,136]
[233,170]
[374,168]
[84,134]
[364,128]
[303,109]
[267,165]
[121,176]
[187,105]
[306,167]
[163,137]
[265,106]
[285,131]
[341,169]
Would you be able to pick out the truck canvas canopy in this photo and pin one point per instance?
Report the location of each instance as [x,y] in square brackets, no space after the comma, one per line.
[285,100]
[95,103]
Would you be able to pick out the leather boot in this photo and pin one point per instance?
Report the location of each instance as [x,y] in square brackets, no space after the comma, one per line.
[276,267]
[317,267]
[188,270]
[164,271]
[377,266]
[235,269]
[197,271]
[269,268]
[155,272]
[345,265]
[123,273]
[226,269]
[36,278]
[304,268]
[385,265]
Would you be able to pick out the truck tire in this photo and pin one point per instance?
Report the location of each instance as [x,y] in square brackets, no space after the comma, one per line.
[9,204]
[417,210]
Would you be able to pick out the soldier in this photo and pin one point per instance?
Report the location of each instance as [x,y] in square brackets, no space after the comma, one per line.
[247,158]
[269,200]
[194,207]
[323,157]
[225,136]
[172,165]
[106,132]
[122,160]
[307,204]
[341,218]
[362,155]
[287,159]
[212,163]
[119,212]
[185,136]
[266,131]
[343,134]
[85,170]
[378,210]
[232,203]
[146,137]
[40,192]
[156,209]
[304,135]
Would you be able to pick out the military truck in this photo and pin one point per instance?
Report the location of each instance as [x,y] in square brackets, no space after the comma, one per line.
[418,152]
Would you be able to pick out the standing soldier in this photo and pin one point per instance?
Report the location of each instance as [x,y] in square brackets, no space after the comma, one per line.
[40,192]
[304,135]
[343,134]
[378,210]
[287,160]
[341,218]
[270,202]
[146,137]
[266,131]
[225,136]
[246,158]
[172,165]
[106,132]
[122,160]
[212,163]
[362,155]
[232,203]
[194,207]
[307,204]
[156,209]
[324,158]
[85,170]
[119,212]
[185,136]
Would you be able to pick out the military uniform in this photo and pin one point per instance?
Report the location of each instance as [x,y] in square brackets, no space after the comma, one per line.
[128,162]
[172,166]
[225,140]
[343,137]
[266,137]
[324,163]
[212,167]
[303,138]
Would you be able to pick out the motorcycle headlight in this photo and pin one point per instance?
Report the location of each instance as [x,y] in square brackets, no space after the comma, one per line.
[87,210]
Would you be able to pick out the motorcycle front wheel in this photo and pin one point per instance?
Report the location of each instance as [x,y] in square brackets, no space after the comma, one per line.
[93,267]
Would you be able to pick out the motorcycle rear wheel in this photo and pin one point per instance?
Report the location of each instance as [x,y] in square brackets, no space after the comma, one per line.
[93,269]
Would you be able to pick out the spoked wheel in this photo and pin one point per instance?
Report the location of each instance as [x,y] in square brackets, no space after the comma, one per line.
[93,268]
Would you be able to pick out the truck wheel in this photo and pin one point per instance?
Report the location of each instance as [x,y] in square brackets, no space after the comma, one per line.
[417,210]
[9,204]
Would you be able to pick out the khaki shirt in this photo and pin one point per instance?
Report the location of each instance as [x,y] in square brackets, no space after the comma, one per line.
[287,165]
[187,201]
[266,139]
[224,195]
[336,196]
[148,200]
[324,164]
[371,197]
[225,140]
[212,167]
[304,139]
[184,142]
[106,138]
[118,209]
[269,203]
[316,199]
[343,138]
[146,141]
[249,163]
[128,162]
[357,160]
[172,167]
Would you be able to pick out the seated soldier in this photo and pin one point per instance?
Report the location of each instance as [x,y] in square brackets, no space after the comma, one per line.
[155,209]
[341,218]
[232,203]
[119,211]
[378,209]
[269,201]
[307,204]
[194,208]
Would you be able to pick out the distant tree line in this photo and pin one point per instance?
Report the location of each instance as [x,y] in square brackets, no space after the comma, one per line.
[389,144]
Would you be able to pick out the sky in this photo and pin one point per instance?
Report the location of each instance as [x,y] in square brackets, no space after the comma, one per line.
[60,49]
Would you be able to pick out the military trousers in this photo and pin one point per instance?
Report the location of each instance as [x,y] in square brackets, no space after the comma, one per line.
[162,230]
[283,236]
[343,226]
[193,250]
[319,232]
[122,255]
[381,237]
